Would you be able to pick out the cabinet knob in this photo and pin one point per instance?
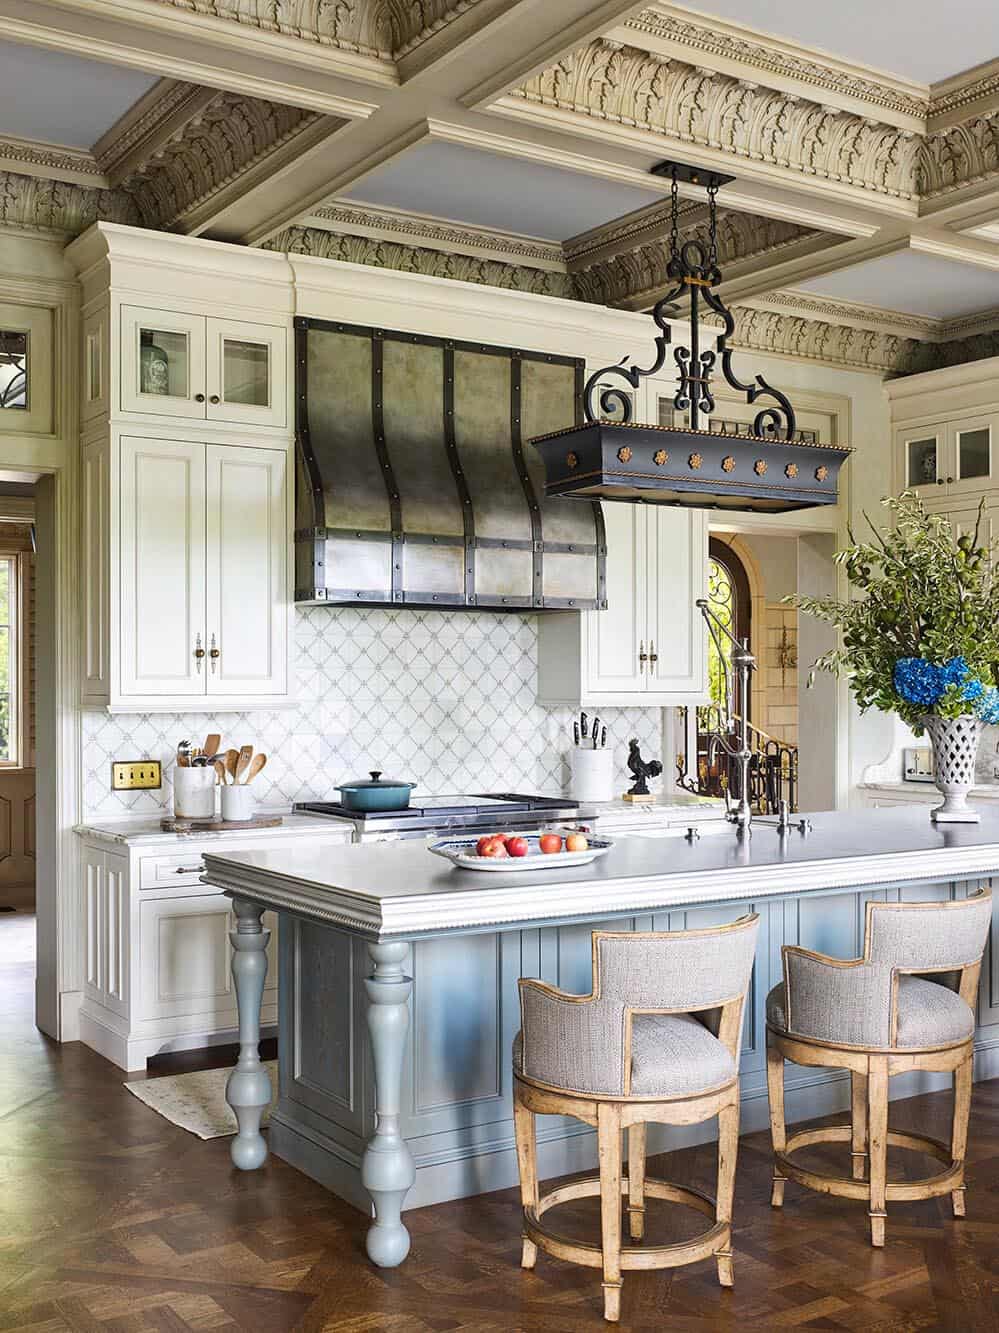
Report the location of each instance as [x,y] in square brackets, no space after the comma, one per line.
[214,655]
[940,481]
[950,481]
[653,655]
[199,653]
[215,398]
[199,397]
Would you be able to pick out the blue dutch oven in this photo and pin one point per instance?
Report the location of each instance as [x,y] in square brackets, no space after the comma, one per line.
[376,793]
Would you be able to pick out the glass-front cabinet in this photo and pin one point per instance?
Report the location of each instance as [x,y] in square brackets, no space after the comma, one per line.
[947,459]
[192,366]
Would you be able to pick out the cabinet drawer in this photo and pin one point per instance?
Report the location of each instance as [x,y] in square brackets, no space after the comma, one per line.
[169,872]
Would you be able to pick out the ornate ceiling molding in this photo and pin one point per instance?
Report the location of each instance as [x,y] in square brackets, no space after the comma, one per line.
[56,161]
[607,82]
[726,41]
[389,224]
[148,125]
[322,244]
[380,28]
[59,207]
[958,156]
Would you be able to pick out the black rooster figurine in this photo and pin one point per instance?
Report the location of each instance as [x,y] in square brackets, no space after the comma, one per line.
[641,769]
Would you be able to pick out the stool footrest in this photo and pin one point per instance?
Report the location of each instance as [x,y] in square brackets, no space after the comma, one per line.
[896,1191]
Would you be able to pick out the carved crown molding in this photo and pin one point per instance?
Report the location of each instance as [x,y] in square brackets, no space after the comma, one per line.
[60,207]
[321,244]
[960,155]
[607,82]
[389,224]
[35,158]
[679,28]
[380,28]
[133,139]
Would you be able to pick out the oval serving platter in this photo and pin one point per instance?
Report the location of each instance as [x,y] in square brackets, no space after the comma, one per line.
[461,852]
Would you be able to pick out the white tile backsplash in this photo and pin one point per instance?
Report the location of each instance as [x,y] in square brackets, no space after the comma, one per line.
[443,699]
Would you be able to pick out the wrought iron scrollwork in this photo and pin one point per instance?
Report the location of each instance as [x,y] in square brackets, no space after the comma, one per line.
[692,267]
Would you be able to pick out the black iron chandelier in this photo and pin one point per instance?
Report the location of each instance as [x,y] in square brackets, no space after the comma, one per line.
[766,468]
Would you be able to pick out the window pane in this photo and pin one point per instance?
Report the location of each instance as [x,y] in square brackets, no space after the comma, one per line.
[13,369]
[973,452]
[4,594]
[6,720]
[245,372]
[163,362]
[922,461]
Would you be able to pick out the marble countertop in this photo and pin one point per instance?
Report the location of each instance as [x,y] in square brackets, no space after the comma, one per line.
[671,806]
[401,890]
[140,830]
[985,791]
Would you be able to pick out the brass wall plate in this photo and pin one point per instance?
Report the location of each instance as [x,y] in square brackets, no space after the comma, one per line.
[136,774]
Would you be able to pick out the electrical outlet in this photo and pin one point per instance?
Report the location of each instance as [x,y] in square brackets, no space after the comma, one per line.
[136,774]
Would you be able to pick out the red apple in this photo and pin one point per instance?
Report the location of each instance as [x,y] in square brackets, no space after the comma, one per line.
[516,846]
[550,842]
[492,846]
[485,841]
[576,842]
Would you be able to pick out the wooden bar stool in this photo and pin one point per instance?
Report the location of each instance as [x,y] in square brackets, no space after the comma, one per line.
[908,1003]
[656,1041]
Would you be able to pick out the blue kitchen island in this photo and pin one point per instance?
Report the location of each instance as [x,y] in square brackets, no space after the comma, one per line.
[398,999]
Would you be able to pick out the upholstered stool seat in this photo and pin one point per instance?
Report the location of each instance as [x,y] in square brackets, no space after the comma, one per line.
[672,1055]
[907,1004]
[657,1040]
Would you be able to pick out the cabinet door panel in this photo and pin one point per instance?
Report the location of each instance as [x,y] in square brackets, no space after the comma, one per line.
[971,446]
[614,637]
[247,376]
[162,362]
[678,559]
[162,566]
[247,563]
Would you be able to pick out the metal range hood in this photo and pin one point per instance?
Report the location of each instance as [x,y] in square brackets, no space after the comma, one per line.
[415,486]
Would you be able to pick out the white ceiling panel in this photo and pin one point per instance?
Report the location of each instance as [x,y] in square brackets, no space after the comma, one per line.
[490,190]
[61,98]
[913,284]
[914,39]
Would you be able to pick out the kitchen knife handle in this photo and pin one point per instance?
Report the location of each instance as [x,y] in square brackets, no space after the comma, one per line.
[575,733]
[582,725]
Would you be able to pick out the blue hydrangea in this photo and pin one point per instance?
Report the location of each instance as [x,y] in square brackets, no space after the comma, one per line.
[953,672]
[918,681]
[987,707]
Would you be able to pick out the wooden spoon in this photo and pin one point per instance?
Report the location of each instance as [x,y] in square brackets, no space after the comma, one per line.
[243,762]
[231,759]
[219,767]
[258,762]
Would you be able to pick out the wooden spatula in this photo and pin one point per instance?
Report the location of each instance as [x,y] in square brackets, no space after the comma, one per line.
[213,744]
[220,771]
[258,762]
[243,762]
[231,759]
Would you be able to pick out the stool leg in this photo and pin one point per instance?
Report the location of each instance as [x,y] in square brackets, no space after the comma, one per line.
[959,1129]
[778,1132]
[877,1121]
[609,1148]
[527,1161]
[859,1121]
[728,1150]
[636,1181]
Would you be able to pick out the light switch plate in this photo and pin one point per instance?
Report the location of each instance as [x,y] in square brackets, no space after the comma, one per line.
[136,774]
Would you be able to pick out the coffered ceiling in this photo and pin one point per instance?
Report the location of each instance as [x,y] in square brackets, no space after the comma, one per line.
[512,140]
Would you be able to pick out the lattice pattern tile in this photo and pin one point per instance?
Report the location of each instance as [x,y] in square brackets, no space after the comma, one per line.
[444,700]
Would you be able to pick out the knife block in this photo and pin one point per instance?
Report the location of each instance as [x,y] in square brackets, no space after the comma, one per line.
[592,774]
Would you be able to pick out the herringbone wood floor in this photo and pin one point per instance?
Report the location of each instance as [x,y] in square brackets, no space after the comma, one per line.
[113,1220]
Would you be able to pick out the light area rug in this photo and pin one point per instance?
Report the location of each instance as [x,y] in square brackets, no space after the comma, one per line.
[196,1102]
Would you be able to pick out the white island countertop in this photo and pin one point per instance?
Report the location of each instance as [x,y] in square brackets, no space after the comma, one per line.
[400,890]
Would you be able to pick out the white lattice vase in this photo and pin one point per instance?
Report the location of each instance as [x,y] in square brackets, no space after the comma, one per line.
[955,749]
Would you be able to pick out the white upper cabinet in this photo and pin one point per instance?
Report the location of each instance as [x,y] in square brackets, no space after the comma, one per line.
[648,648]
[247,617]
[201,368]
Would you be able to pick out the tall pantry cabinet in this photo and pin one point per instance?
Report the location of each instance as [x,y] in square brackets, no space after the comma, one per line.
[186,473]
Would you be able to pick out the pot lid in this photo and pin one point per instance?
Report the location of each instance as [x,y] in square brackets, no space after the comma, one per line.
[375,780]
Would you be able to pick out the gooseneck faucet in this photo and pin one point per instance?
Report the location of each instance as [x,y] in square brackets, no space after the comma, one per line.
[735,741]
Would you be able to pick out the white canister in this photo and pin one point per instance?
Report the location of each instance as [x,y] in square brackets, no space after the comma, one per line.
[592,774]
[237,803]
[194,792]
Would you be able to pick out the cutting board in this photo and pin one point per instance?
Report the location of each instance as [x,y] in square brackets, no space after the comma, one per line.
[173,824]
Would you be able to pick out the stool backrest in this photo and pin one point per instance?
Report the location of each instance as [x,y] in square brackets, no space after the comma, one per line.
[930,937]
[683,970]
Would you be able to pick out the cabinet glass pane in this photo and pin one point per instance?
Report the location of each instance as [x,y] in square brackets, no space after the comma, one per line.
[13,369]
[973,453]
[163,362]
[246,372]
[922,456]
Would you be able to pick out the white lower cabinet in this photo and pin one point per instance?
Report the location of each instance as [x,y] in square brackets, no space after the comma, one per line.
[157,969]
[649,647]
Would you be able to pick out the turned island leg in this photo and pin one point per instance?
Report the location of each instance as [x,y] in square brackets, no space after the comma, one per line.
[248,1089]
[387,1170]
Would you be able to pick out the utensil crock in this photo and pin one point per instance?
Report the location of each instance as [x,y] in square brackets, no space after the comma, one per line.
[237,803]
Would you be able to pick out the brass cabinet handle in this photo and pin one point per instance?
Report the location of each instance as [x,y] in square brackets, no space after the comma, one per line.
[199,653]
[214,655]
[190,870]
[653,655]
[643,656]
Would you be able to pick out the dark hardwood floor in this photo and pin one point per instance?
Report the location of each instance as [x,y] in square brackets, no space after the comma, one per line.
[113,1219]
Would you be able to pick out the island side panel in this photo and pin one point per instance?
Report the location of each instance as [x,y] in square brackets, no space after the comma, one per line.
[457,1110]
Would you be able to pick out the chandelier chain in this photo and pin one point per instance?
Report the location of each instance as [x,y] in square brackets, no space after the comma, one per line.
[712,224]
[674,230]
